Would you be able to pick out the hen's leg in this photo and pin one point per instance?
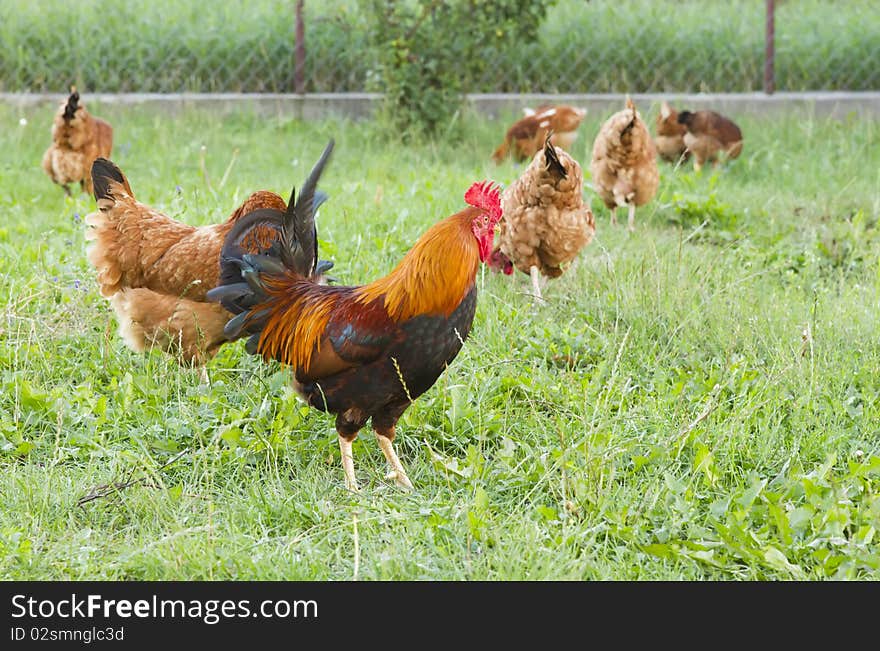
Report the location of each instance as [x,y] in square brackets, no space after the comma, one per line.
[66,189]
[614,216]
[631,221]
[536,283]
[385,437]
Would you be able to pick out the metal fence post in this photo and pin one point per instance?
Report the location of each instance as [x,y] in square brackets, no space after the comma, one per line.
[770,49]
[299,51]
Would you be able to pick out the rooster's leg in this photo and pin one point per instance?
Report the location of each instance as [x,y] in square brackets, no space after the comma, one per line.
[536,283]
[398,474]
[348,463]
[631,221]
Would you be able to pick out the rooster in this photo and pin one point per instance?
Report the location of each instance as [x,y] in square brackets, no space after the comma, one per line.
[546,222]
[78,138]
[362,352]
[155,271]
[624,163]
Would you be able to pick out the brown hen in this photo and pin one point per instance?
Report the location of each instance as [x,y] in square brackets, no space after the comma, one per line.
[545,221]
[710,134]
[78,138]
[156,271]
[624,163]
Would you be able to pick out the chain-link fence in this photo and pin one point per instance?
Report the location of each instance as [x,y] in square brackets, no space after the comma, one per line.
[583,46]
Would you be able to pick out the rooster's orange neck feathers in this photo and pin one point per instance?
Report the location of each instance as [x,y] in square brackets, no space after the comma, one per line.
[435,275]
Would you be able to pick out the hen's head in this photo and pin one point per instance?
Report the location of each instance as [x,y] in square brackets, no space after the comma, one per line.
[487,197]
[498,262]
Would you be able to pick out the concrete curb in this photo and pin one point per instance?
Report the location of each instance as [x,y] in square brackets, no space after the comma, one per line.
[835,104]
[361,105]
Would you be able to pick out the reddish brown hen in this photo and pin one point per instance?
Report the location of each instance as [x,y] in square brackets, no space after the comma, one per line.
[526,137]
[710,134]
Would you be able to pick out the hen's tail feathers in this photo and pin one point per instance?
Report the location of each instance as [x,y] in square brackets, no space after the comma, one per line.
[629,126]
[72,104]
[551,159]
[630,107]
[105,174]
[241,287]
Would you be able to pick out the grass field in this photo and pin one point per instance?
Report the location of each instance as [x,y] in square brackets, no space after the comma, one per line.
[698,400]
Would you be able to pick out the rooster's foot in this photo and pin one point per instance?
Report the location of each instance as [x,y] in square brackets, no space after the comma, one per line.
[348,464]
[398,474]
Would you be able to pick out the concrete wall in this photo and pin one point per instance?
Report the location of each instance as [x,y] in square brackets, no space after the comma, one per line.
[838,105]
[360,105]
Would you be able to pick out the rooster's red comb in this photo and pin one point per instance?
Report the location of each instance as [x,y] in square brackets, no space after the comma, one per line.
[485,196]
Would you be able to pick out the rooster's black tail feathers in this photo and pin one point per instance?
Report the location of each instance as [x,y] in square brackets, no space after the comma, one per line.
[299,238]
[240,287]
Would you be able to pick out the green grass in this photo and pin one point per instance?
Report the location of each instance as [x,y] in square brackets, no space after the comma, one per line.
[664,416]
[597,46]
